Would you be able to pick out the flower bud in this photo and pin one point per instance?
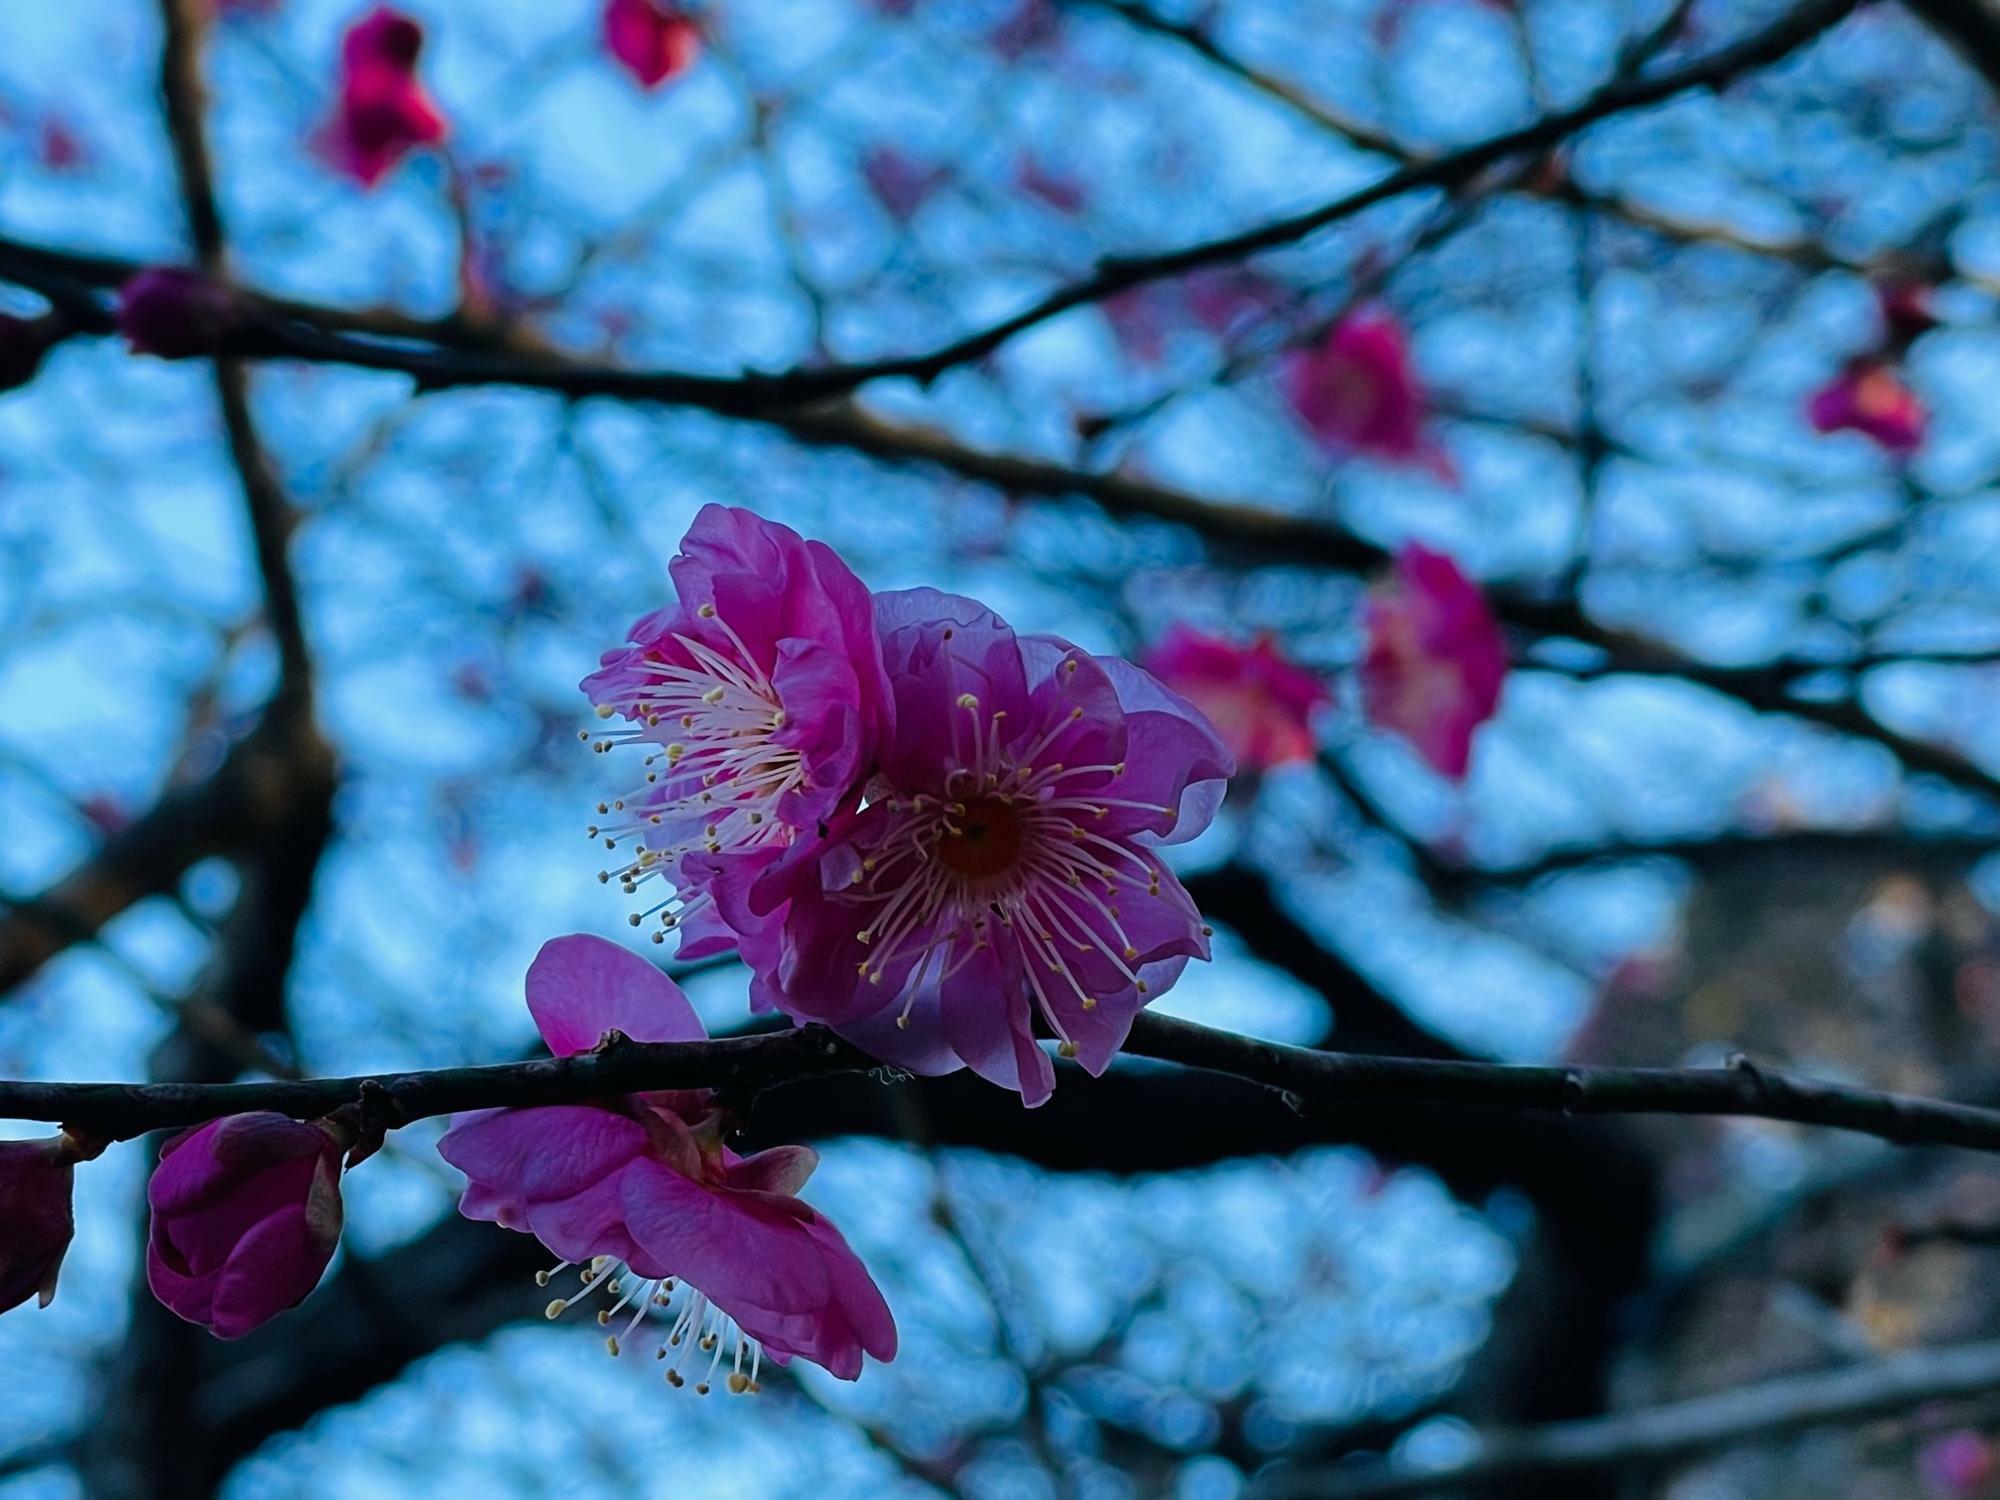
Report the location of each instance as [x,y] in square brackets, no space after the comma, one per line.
[246,1213]
[174,313]
[36,1221]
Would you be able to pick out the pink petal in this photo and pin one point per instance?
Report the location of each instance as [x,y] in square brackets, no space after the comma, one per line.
[580,987]
[782,1169]
[537,1155]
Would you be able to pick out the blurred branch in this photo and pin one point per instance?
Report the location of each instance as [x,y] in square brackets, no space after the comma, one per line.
[1972,27]
[1708,851]
[249,796]
[1231,526]
[1653,1435]
[752,394]
[1308,1080]
[1365,1020]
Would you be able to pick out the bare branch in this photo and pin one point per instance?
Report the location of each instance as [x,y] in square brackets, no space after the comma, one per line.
[1310,1081]
[1652,1435]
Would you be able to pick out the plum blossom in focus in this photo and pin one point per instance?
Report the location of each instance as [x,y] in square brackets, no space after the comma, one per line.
[382,111]
[246,1214]
[1870,398]
[1434,661]
[1260,703]
[36,1219]
[1357,392]
[642,1195]
[761,698]
[651,40]
[1005,870]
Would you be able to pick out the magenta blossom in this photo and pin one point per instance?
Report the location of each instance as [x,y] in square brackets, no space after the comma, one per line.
[900,184]
[1959,1465]
[246,1214]
[1006,865]
[382,112]
[1357,392]
[1435,659]
[1261,703]
[36,1220]
[174,313]
[1870,397]
[651,40]
[641,1192]
[761,695]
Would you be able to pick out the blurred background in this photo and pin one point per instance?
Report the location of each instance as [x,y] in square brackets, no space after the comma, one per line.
[290,777]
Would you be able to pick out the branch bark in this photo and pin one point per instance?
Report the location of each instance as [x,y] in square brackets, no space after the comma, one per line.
[1308,1080]
[1653,1435]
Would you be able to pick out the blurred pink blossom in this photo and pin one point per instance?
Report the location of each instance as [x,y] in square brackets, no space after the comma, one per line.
[1435,660]
[382,111]
[1357,392]
[1870,398]
[650,39]
[1260,703]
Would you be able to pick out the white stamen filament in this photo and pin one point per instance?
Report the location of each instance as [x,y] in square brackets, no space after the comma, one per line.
[716,775]
[697,1322]
[1045,881]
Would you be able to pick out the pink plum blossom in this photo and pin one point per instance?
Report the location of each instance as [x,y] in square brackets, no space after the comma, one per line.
[59,148]
[1959,1465]
[760,696]
[382,111]
[1356,391]
[1260,703]
[36,1220]
[174,313]
[642,1194]
[246,1214]
[1005,869]
[1052,188]
[1434,661]
[651,40]
[1871,398]
[899,183]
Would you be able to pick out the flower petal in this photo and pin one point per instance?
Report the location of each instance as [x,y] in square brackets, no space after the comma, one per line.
[516,1157]
[580,987]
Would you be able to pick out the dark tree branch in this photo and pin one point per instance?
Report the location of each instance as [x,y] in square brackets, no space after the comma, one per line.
[462,1281]
[1309,1080]
[1653,1435]
[753,394]
[263,777]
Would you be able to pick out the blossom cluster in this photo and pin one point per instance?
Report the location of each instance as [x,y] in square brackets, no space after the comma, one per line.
[940,837]
[936,835]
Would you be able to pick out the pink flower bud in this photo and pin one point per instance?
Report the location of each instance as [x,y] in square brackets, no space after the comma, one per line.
[1870,398]
[174,313]
[652,40]
[36,1221]
[246,1212]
